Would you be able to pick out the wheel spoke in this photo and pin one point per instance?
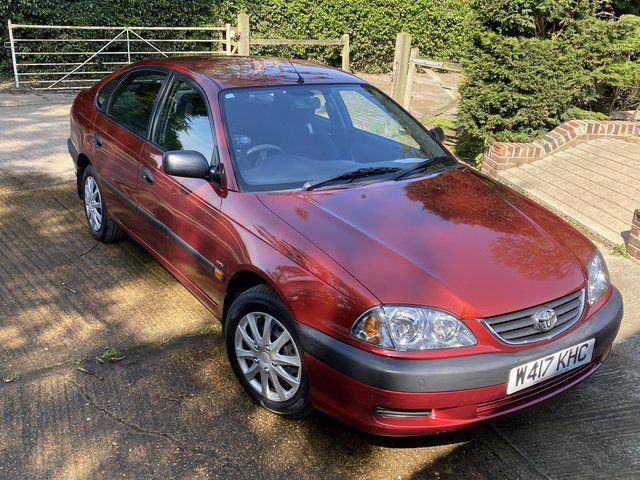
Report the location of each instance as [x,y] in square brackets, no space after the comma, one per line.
[287,360]
[266,330]
[250,374]
[264,382]
[245,335]
[286,377]
[254,329]
[280,341]
[282,395]
[240,353]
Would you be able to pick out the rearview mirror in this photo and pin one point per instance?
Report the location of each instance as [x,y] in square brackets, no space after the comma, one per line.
[186,163]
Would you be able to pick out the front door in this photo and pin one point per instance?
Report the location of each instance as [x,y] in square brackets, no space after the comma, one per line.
[182,213]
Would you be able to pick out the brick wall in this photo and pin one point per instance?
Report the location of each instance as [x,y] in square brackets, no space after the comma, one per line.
[504,155]
[633,248]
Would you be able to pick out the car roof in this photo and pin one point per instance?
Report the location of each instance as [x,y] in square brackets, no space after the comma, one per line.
[237,71]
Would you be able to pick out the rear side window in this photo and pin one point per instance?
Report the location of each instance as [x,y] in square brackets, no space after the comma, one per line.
[184,122]
[133,101]
[104,92]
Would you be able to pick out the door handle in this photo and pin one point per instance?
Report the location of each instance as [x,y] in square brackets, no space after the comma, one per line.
[98,139]
[147,176]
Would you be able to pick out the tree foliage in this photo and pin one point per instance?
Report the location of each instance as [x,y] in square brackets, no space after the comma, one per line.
[536,63]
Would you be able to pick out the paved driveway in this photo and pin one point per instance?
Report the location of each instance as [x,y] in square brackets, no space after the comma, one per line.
[596,183]
[172,408]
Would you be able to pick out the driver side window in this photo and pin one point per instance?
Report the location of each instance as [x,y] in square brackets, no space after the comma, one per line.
[184,123]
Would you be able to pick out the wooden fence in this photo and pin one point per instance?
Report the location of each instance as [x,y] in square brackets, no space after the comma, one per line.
[245,41]
[406,62]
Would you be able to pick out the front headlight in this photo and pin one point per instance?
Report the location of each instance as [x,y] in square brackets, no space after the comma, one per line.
[405,328]
[598,278]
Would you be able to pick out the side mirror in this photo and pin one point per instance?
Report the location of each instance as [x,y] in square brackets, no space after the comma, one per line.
[438,132]
[186,163]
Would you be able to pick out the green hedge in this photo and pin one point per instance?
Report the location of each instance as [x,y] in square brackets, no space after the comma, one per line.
[532,62]
[438,26]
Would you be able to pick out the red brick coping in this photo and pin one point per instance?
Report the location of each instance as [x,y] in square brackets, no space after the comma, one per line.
[633,248]
[504,155]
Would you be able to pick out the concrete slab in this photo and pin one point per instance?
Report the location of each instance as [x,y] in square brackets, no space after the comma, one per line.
[595,183]
[33,148]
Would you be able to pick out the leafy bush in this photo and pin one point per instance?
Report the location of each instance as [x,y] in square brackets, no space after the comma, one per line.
[575,113]
[532,62]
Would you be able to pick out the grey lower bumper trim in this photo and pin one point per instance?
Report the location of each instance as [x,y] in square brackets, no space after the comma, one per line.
[462,373]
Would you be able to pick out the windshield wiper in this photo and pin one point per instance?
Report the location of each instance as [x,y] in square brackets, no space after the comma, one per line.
[422,166]
[351,176]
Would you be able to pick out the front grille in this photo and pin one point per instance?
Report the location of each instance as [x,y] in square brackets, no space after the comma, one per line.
[517,327]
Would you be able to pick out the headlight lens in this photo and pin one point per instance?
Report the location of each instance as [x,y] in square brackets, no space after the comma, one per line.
[406,328]
[598,278]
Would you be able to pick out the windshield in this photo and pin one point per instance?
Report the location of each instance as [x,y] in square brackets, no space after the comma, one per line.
[289,137]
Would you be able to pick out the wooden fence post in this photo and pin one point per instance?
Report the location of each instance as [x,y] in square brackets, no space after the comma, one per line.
[401,61]
[244,32]
[345,52]
[411,76]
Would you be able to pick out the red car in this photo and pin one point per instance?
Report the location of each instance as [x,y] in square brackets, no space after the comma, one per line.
[356,266]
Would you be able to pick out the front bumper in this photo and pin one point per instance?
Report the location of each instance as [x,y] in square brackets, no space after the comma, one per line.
[390,396]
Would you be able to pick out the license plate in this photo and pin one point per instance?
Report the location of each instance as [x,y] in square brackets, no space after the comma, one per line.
[534,372]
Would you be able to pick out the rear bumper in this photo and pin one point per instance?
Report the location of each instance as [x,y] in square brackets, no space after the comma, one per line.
[370,391]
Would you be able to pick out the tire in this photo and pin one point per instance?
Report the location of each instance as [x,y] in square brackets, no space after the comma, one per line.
[271,371]
[100,224]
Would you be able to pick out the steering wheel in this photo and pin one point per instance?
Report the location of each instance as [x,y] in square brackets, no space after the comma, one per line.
[262,150]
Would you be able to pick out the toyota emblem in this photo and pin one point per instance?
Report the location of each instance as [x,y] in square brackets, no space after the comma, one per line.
[544,319]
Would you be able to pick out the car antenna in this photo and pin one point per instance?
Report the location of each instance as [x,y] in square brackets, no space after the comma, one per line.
[300,79]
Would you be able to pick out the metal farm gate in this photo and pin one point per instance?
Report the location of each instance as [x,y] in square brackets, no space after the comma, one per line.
[48,57]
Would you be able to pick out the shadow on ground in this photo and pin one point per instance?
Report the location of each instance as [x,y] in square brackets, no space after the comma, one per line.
[177,411]
[64,295]
[590,432]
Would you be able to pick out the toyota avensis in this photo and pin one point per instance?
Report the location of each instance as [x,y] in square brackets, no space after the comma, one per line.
[356,266]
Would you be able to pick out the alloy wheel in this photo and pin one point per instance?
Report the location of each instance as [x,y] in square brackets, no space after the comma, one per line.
[93,204]
[268,357]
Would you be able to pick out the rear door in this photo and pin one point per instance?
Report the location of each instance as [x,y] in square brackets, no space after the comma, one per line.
[120,135]
[182,213]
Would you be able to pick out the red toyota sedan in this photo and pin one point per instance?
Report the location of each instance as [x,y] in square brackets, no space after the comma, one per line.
[356,266]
